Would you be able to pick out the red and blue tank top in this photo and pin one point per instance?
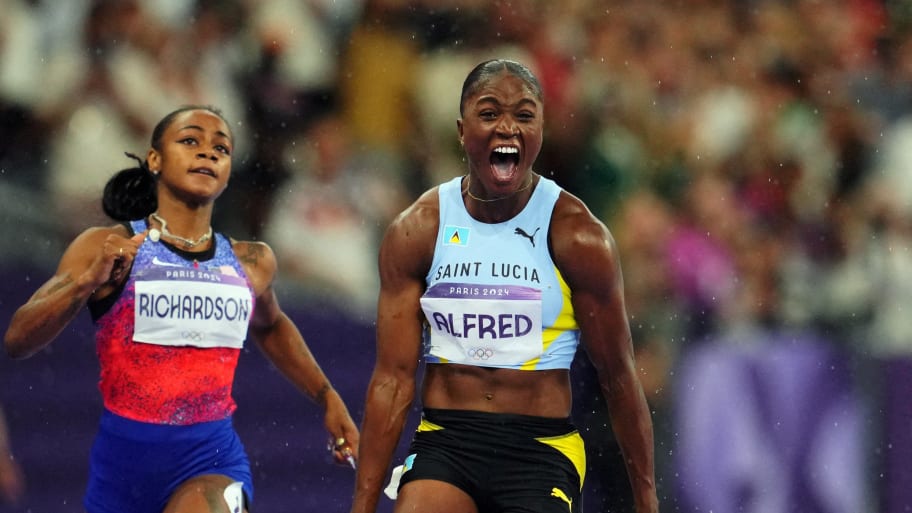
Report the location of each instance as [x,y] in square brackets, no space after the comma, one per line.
[168,345]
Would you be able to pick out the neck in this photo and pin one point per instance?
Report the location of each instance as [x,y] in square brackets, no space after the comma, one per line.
[496,209]
[164,230]
[468,190]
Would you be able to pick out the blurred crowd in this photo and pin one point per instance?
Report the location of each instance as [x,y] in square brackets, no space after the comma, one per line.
[750,156]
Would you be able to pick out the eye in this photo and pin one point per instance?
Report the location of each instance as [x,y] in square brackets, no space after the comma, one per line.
[487,115]
[190,141]
[526,116]
[223,149]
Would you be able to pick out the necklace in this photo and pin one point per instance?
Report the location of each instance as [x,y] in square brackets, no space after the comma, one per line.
[491,200]
[155,234]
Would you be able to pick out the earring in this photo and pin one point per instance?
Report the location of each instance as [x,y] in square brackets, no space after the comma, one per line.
[155,172]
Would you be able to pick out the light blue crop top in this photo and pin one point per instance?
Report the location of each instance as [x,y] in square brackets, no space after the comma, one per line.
[494,296]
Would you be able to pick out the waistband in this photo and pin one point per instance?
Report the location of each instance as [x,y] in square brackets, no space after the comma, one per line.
[117,425]
[473,420]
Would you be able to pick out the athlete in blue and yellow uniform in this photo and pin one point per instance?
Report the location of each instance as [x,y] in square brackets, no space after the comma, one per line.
[495,278]
[173,304]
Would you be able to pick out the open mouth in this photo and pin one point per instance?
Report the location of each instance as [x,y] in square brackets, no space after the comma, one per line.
[203,171]
[505,161]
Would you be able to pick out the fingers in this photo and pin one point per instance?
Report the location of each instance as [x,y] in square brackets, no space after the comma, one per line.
[353,439]
[342,451]
[119,253]
[117,247]
[139,237]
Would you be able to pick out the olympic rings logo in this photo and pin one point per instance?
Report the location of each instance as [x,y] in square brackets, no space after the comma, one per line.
[480,353]
[193,336]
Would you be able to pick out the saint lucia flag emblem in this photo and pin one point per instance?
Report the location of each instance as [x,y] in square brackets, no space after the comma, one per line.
[455,236]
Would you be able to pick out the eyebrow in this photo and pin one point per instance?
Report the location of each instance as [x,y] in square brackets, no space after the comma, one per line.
[200,129]
[493,99]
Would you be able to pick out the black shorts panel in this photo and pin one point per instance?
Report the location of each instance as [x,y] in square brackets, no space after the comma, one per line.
[506,463]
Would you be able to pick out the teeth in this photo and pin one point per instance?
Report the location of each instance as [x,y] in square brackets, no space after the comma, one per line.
[506,149]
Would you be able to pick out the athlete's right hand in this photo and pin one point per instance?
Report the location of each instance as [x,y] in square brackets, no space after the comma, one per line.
[113,262]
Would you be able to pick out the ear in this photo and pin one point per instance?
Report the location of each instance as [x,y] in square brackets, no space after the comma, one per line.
[459,130]
[153,160]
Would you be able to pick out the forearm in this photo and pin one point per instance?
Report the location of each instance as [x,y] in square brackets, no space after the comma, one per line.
[5,447]
[632,426]
[39,321]
[285,348]
[386,410]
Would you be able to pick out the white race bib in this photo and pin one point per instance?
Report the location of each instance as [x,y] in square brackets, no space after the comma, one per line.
[484,325]
[190,307]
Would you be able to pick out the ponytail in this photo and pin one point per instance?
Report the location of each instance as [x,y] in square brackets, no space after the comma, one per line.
[131,193]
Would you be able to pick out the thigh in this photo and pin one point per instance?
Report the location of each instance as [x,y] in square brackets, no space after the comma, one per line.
[431,496]
[204,494]
[138,467]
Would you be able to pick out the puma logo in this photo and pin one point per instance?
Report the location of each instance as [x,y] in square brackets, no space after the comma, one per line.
[557,492]
[522,233]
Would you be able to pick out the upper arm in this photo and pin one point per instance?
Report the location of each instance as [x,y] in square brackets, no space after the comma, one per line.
[260,265]
[405,258]
[79,256]
[586,254]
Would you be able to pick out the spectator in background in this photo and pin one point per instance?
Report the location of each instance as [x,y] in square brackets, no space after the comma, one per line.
[377,88]
[94,108]
[283,88]
[22,58]
[700,255]
[327,218]
[134,66]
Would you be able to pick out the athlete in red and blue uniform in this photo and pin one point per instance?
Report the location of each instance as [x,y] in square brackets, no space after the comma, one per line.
[168,344]
[173,303]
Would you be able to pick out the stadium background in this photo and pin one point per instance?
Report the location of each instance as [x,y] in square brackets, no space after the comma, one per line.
[752,157]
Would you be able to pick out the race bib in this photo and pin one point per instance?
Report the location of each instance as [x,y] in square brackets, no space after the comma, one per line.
[191,307]
[484,325]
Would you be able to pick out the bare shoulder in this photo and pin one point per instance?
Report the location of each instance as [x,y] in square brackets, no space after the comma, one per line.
[574,227]
[581,244]
[409,240]
[420,218]
[258,260]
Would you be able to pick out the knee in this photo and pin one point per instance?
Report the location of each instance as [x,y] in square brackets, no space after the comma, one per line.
[210,494]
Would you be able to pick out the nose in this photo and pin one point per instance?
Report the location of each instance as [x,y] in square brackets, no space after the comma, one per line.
[207,154]
[507,127]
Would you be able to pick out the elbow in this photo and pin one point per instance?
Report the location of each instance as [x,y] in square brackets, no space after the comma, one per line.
[16,346]
[396,391]
[393,384]
[14,351]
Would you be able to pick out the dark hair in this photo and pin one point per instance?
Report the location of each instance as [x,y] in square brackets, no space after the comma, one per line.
[488,69]
[131,193]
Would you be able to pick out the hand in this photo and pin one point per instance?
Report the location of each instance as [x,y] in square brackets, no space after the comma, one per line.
[12,482]
[113,263]
[342,452]
[345,437]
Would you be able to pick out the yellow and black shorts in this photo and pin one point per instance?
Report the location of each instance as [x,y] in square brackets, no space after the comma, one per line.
[505,462]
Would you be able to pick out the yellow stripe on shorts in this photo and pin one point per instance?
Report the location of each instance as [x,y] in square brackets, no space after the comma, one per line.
[570,445]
